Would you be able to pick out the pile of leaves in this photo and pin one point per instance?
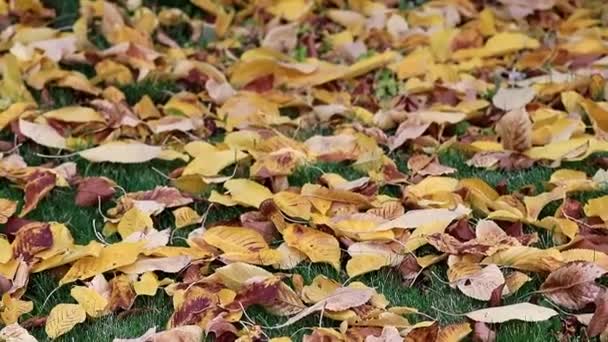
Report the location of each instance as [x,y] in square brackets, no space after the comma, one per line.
[240,96]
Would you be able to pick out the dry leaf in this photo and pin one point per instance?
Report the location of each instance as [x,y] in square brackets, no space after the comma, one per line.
[515,130]
[523,312]
[573,285]
[63,318]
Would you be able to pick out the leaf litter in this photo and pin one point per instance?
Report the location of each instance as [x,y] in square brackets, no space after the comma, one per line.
[260,90]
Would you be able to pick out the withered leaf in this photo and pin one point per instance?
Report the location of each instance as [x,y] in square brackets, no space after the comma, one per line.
[599,320]
[91,190]
[515,130]
[573,285]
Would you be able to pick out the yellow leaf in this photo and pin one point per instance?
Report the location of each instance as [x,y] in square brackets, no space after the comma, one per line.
[571,148]
[236,274]
[225,200]
[454,332]
[318,246]
[186,216]
[527,259]
[290,10]
[320,288]
[134,220]
[13,112]
[290,257]
[93,303]
[367,257]
[415,64]
[247,192]
[111,257]
[63,318]
[441,42]
[147,285]
[433,185]
[93,249]
[12,308]
[235,239]
[535,204]
[578,254]
[62,241]
[501,44]
[292,204]
[597,207]
[75,114]
[487,23]
[418,237]
[145,109]
[559,225]
[516,280]
[112,72]
[368,64]
[212,162]
[6,253]
[7,209]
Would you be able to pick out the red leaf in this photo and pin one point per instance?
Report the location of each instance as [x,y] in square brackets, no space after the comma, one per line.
[31,239]
[94,189]
[599,320]
[122,293]
[13,225]
[423,334]
[38,185]
[461,230]
[482,333]
[496,296]
[5,285]
[572,209]
[261,84]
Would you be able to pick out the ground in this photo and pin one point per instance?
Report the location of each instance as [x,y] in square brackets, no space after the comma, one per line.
[431,294]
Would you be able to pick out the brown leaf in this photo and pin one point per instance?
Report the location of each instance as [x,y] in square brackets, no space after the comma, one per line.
[14,224]
[409,269]
[222,329]
[34,322]
[199,302]
[599,320]
[5,285]
[407,130]
[93,189]
[389,334]
[122,295]
[515,130]
[482,333]
[511,161]
[423,334]
[573,285]
[271,293]
[496,296]
[461,230]
[38,185]
[571,209]
[31,239]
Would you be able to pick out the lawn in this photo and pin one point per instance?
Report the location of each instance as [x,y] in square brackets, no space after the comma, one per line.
[431,293]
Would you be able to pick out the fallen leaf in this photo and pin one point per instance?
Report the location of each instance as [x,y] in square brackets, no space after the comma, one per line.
[121,152]
[515,130]
[63,318]
[573,285]
[91,190]
[522,311]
